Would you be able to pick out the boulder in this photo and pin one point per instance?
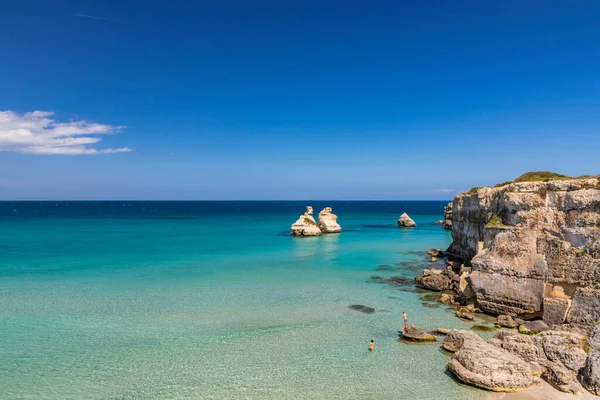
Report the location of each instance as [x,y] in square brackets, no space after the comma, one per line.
[446,298]
[594,339]
[328,221]
[456,338]
[483,365]
[537,369]
[522,346]
[586,307]
[406,221]
[465,315]
[506,321]
[306,225]
[433,279]
[562,378]
[560,348]
[411,332]
[533,327]
[590,375]
[436,253]
[443,331]
[555,310]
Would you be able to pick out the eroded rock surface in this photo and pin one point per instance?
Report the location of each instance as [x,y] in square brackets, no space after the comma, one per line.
[306,225]
[590,375]
[433,279]
[534,248]
[406,221]
[484,365]
[328,221]
[411,332]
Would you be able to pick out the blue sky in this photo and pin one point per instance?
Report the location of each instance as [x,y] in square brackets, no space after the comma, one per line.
[293,100]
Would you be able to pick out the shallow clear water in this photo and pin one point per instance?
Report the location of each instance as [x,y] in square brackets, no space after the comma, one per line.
[212,300]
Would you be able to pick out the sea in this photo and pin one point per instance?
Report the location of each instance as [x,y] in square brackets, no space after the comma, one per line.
[215,300]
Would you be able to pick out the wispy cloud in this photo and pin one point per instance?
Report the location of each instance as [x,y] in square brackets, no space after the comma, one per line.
[36,133]
[100,18]
[444,190]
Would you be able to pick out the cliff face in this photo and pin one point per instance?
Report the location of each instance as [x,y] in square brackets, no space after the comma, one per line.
[534,248]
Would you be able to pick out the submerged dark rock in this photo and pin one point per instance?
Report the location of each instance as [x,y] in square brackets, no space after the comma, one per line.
[361,308]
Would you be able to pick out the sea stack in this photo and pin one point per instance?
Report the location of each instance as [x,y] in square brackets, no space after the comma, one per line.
[306,225]
[406,221]
[328,221]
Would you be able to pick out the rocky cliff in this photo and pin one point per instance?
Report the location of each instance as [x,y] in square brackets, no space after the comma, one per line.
[534,248]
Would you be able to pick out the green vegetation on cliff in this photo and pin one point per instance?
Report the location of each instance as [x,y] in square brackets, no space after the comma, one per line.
[540,176]
[547,176]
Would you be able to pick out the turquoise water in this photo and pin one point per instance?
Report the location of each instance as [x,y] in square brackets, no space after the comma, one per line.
[212,300]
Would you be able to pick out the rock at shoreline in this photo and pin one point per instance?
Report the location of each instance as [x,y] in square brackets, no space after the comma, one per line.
[594,338]
[411,332]
[506,321]
[562,351]
[456,338]
[590,375]
[465,315]
[406,221]
[520,345]
[436,253]
[361,308]
[533,327]
[447,221]
[562,378]
[328,221]
[433,279]
[306,225]
[481,364]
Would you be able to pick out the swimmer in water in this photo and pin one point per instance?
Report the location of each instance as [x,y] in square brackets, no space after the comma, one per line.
[371,346]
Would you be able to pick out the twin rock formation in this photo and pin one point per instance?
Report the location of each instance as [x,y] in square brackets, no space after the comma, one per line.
[307,226]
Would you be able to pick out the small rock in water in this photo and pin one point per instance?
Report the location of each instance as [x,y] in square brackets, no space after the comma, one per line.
[436,253]
[419,335]
[361,308]
[446,299]
[406,221]
[464,315]
[443,331]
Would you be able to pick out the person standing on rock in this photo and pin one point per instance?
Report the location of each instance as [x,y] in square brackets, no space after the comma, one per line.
[405,316]
[371,346]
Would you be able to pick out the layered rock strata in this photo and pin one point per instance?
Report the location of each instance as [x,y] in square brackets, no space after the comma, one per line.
[534,249]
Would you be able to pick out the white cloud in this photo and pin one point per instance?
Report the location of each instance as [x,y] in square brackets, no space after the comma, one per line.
[36,133]
[444,190]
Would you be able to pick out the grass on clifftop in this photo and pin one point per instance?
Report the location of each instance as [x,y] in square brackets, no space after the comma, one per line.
[546,176]
[539,176]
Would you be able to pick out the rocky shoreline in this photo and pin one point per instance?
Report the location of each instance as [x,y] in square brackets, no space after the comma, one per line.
[525,256]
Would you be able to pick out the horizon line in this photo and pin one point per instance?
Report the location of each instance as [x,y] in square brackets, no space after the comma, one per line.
[221,200]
